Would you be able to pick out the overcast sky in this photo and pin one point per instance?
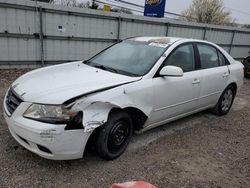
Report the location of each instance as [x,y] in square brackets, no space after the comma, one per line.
[240,9]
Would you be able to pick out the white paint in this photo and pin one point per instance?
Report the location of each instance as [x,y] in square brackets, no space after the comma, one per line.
[171,71]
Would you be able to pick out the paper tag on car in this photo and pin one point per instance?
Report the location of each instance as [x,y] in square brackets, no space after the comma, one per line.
[161,45]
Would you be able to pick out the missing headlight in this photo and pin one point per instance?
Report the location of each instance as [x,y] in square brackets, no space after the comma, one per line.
[76,122]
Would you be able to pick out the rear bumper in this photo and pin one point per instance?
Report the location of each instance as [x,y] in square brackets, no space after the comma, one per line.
[46,140]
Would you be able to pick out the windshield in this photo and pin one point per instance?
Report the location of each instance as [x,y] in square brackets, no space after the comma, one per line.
[128,57]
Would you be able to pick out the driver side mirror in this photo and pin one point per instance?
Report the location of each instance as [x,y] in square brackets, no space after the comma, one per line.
[170,70]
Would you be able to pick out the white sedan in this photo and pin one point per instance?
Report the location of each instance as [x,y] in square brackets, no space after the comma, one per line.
[132,86]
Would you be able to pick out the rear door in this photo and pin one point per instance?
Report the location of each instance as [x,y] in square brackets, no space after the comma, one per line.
[214,74]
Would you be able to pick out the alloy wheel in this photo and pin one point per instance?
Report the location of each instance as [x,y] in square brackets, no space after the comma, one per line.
[227,100]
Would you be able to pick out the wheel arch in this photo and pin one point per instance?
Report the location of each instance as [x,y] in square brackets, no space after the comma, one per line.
[138,116]
[234,85]
[96,114]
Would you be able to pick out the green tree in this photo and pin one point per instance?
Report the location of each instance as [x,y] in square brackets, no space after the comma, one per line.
[208,11]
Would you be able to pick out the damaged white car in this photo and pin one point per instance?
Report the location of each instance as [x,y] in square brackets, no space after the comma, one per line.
[132,86]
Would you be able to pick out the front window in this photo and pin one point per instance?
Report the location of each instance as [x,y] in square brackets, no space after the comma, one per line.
[129,58]
[182,57]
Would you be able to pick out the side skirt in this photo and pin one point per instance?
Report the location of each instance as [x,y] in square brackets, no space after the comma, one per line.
[151,126]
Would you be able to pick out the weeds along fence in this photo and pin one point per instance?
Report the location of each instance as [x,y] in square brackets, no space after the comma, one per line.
[40,34]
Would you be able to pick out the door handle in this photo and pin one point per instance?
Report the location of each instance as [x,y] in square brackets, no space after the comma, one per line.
[196,81]
[225,75]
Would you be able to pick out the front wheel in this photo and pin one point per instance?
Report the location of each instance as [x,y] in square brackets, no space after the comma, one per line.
[114,135]
[225,102]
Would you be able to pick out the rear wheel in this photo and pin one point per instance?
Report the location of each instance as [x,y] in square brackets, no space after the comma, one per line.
[225,102]
[246,63]
[114,136]
[247,71]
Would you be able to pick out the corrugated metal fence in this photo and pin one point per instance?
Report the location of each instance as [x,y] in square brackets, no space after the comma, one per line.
[34,35]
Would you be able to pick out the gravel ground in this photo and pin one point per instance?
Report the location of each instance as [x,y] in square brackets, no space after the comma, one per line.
[202,150]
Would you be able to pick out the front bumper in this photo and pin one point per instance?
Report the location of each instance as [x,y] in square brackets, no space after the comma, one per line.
[46,140]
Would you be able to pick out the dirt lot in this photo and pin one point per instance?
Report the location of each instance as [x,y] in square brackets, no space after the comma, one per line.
[202,150]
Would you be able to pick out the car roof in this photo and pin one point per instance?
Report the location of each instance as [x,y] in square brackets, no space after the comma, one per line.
[163,40]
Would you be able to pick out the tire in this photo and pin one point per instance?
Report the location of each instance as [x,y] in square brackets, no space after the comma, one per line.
[225,102]
[114,136]
[246,63]
[247,71]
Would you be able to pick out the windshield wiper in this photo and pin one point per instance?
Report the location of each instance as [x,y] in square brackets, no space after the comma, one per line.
[111,69]
[105,68]
[86,62]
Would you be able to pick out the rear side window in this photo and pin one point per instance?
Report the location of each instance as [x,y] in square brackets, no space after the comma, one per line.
[182,57]
[208,56]
[222,59]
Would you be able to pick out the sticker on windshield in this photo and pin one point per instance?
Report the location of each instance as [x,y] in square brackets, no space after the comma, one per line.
[161,45]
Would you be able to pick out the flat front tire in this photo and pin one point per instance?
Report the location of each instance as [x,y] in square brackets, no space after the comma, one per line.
[225,102]
[114,136]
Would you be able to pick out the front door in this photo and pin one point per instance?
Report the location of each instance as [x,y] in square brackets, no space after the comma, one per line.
[174,96]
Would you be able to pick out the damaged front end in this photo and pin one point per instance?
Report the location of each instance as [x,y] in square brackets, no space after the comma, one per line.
[91,115]
[95,107]
[79,115]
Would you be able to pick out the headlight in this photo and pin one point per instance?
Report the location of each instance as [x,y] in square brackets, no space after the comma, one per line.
[49,113]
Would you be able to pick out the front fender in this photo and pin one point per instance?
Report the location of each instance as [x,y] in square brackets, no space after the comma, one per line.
[96,113]
[97,107]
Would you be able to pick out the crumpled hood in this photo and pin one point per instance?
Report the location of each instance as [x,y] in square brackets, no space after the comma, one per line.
[56,84]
